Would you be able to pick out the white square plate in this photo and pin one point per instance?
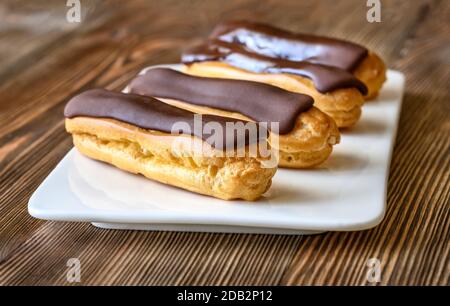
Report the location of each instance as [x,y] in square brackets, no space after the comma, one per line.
[347,193]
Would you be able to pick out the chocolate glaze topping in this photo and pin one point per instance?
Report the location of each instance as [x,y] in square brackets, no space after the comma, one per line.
[274,42]
[325,78]
[260,102]
[150,113]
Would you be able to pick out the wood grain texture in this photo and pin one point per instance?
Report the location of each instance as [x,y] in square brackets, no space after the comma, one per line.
[44,61]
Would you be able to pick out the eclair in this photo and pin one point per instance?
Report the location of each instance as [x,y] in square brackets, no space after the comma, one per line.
[302,134]
[336,92]
[143,135]
[278,43]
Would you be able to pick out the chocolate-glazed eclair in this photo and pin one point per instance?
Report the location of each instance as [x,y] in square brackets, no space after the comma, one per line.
[136,133]
[305,136]
[335,91]
[277,43]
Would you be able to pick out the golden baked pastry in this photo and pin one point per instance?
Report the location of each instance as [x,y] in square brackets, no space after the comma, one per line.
[306,135]
[343,104]
[372,72]
[133,133]
[289,47]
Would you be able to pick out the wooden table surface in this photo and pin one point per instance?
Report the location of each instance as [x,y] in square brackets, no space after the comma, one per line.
[44,60]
